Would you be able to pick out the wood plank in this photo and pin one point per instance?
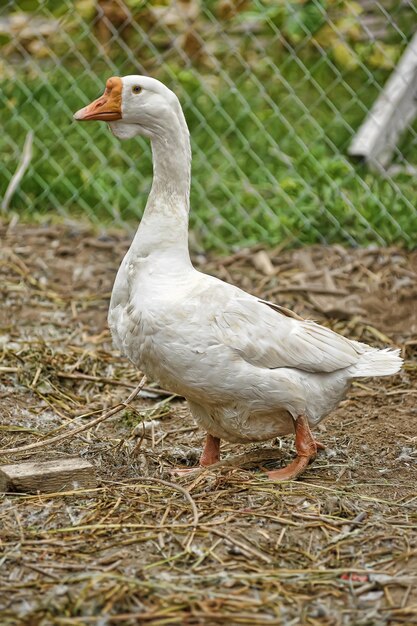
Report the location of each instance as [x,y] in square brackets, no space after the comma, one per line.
[48,476]
[390,115]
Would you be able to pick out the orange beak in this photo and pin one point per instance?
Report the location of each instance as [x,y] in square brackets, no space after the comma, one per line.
[108,107]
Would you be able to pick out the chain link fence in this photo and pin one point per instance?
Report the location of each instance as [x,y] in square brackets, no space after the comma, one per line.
[273,93]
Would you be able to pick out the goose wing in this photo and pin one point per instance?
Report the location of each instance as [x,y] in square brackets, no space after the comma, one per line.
[269,336]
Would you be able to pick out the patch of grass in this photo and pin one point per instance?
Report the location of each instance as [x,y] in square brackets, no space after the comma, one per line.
[130,418]
[269,156]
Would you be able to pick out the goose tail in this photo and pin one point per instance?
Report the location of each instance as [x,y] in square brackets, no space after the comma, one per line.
[378,363]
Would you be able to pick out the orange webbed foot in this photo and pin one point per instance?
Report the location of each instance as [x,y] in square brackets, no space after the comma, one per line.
[306,447]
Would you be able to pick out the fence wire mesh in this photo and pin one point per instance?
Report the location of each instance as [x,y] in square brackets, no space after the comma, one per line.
[273,93]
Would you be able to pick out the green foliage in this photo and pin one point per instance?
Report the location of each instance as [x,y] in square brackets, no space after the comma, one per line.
[304,19]
[334,25]
[269,155]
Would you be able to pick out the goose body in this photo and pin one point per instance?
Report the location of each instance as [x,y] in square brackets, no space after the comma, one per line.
[246,369]
[249,369]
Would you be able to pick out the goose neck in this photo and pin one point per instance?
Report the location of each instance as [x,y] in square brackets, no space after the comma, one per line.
[165,221]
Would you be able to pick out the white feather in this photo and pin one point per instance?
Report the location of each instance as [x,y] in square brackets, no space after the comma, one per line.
[378,363]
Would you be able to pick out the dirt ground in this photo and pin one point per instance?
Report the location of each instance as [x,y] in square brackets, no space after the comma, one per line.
[225,546]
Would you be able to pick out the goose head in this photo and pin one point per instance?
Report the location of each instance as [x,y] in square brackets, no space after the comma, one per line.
[134,105]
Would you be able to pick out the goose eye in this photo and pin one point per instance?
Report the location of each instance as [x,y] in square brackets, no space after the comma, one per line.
[136,89]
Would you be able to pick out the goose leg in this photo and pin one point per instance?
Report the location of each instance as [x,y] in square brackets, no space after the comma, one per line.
[209,456]
[306,447]
[211,452]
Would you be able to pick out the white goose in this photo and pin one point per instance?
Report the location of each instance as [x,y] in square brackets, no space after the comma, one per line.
[249,369]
